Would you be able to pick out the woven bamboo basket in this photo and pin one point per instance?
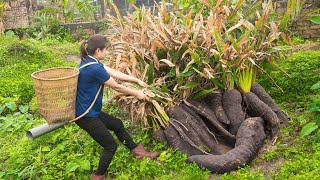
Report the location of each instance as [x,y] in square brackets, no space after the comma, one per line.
[56,90]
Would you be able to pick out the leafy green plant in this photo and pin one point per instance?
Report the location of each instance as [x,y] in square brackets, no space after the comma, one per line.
[314,107]
[43,22]
[15,118]
[45,25]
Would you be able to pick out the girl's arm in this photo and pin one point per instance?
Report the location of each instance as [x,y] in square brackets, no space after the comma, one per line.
[121,76]
[123,89]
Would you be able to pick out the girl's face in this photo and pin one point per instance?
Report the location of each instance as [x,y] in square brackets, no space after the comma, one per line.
[101,54]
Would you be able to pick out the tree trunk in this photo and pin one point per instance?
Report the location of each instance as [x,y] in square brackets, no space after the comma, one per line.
[61,17]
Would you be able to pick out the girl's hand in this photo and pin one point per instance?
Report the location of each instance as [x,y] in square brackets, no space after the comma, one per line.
[141,95]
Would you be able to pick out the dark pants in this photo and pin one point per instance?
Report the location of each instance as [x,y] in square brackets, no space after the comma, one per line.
[98,128]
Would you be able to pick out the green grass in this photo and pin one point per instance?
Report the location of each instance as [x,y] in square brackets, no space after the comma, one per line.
[303,71]
[69,153]
[18,59]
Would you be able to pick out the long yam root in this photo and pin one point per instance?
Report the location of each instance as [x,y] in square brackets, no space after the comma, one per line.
[187,130]
[176,142]
[231,102]
[264,111]
[266,98]
[205,134]
[249,139]
[214,101]
[203,110]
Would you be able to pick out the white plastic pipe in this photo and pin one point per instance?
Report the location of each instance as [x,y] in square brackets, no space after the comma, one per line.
[43,129]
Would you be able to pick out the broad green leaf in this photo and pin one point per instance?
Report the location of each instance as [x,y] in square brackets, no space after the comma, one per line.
[71,167]
[24,108]
[309,128]
[315,86]
[203,92]
[85,164]
[190,85]
[315,19]
[11,105]
[2,108]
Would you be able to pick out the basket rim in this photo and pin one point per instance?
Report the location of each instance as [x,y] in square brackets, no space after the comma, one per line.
[55,79]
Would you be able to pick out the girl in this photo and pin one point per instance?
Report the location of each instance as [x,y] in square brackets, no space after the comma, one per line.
[96,123]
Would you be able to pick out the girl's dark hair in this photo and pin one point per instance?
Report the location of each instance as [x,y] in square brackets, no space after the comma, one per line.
[95,42]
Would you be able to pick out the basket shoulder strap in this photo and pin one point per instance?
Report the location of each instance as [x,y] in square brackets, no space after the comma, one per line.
[87,111]
[88,64]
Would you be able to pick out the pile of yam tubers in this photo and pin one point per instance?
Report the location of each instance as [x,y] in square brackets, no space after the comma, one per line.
[224,130]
